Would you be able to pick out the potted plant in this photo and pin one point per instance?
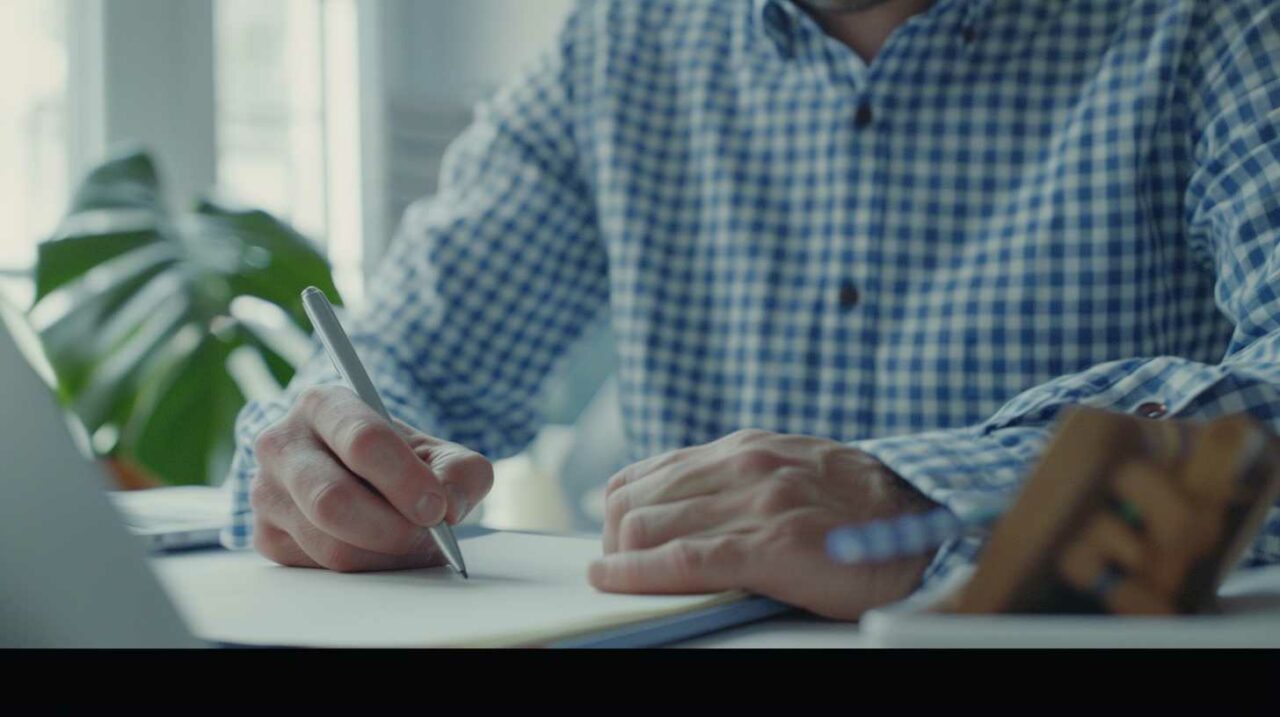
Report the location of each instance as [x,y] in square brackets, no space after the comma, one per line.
[141,311]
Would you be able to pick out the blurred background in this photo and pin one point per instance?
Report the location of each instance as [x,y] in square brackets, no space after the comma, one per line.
[329,116]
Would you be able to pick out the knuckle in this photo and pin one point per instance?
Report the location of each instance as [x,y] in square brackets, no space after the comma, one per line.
[632,531]
[312,400]
[272,543]
[760,460]
[330,504]
[616,483]
[746,435]
[266,544]
[722,551]
[475,468]
[788,530]
[362,439]
[260,494]
[615,507]
[686,560]
[270,442]
[777,496]
[340,558]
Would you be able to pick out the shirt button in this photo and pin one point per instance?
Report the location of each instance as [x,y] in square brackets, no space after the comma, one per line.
[1152,409]
[864,116]
[969,34]
[848,295]
[778,26]
[774,15]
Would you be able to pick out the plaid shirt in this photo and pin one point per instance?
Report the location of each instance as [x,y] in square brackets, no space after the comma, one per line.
[1018,206]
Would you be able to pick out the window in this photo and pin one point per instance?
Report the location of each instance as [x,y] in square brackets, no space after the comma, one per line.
[288,119]
[270,107]
[33,133]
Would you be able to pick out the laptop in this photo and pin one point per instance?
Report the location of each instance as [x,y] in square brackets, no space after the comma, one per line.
[189,517]
[74,576]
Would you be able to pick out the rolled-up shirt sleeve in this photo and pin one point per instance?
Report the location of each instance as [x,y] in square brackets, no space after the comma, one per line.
[1232,212]
[483,287]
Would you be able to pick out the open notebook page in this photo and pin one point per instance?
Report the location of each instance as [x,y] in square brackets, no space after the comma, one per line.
[524,589]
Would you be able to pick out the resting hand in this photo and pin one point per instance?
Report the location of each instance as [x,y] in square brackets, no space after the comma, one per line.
[339,488]
[751,511]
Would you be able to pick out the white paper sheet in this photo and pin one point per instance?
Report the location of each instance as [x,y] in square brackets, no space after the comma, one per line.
[524,589]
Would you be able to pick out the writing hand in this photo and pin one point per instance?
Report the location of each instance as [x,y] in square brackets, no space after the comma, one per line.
[339,488]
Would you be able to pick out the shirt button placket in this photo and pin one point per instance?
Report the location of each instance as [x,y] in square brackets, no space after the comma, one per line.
[849,296]
[865,115]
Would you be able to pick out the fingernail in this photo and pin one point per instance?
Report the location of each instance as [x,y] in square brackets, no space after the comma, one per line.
[431,509]
[459,502]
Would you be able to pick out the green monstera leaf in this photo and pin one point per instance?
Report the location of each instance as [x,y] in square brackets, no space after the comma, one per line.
[134,306]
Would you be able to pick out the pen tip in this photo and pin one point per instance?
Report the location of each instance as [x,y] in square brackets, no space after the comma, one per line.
[464,574]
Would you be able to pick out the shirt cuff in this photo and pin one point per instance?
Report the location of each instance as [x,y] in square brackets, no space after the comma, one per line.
[966,471]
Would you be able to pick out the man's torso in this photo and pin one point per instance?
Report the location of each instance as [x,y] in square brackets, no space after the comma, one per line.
[801,242]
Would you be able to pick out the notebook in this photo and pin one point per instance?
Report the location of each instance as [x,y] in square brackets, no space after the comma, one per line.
[177,518]
[525,590]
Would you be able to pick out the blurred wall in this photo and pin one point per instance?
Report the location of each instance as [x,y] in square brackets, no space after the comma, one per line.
[450,52]
[440,58]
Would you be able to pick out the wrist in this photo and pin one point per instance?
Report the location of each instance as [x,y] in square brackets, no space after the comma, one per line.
[890,492]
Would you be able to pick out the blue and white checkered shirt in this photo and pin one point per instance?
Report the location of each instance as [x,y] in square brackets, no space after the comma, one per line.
[1018,206]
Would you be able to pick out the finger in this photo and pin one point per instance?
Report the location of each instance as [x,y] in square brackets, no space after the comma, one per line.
[320,549]
[374,450]
[626,500]
[644,467]
[466,476]
[333,554]
[1083,568]
[276,544]
[1163,510]
[691,476]
[695,565]
[654,525]
[719,512]
[334,500]
[415,438]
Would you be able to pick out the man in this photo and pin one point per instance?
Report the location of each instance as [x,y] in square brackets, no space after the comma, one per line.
[893,238]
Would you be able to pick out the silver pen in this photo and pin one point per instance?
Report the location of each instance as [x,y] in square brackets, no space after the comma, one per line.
[912,534]
[345,360]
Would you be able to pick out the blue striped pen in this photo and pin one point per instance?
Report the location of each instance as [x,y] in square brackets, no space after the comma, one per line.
[881,540]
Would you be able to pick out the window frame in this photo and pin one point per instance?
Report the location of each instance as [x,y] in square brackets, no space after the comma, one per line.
[172,43]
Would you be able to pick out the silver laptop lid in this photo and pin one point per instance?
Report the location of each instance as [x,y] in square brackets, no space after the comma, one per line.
[70,574]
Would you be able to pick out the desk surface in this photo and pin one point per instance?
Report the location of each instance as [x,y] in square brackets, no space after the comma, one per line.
[790,631]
